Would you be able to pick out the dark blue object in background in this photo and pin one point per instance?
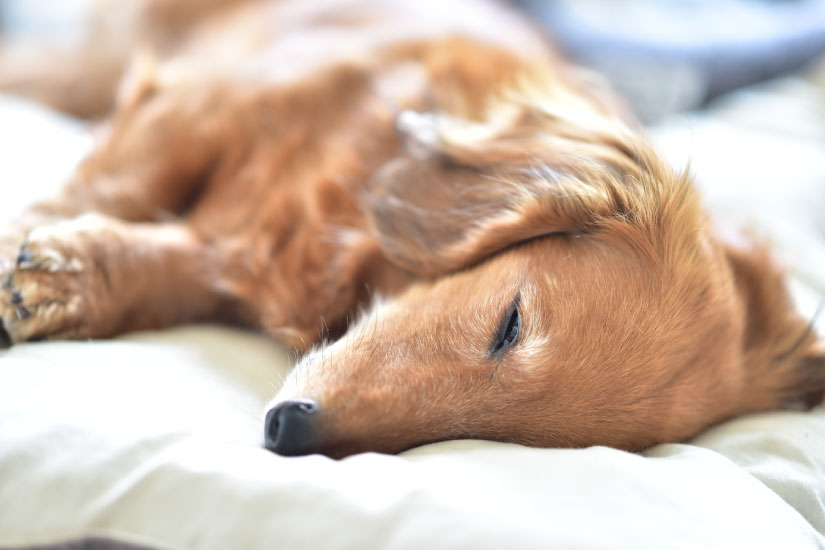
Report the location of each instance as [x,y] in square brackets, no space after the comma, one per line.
[667,56]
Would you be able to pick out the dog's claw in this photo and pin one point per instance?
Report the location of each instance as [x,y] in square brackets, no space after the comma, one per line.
[24,258]
[22,313]
[5,339]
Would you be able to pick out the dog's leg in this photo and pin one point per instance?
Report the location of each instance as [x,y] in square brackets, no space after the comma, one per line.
[96,276]
[152,160]
[113,252]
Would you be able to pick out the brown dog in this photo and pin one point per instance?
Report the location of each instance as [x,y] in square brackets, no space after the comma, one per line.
[534,273]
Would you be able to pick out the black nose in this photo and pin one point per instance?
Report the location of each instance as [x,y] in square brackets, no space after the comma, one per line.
[288,429]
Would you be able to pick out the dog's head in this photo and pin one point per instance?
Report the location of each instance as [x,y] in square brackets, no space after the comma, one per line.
[572,294]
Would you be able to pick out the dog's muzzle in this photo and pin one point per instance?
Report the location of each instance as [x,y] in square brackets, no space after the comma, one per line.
[289,428]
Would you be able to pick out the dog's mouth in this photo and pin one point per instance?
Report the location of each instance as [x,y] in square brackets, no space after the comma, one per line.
[301,427]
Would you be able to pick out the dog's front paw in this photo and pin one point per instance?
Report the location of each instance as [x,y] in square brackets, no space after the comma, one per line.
[10,240]
[46,292]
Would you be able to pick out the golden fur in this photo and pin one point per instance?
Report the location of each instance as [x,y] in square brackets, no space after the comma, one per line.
[284,164]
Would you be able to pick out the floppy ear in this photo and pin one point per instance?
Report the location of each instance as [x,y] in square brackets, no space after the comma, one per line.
[467,189]
[808,386]
[783,357]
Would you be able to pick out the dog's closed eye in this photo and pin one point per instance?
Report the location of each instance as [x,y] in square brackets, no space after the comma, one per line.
[507,333]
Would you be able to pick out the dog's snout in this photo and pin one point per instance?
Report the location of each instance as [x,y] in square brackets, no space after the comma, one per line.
[289,428]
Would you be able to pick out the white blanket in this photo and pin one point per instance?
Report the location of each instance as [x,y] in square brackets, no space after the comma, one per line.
[154,438]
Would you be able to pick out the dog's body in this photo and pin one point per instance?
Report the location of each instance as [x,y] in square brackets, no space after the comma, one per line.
[545,278]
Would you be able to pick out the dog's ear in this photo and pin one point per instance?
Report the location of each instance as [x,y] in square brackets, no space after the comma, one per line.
[783,357]
[466,189]
[808,388]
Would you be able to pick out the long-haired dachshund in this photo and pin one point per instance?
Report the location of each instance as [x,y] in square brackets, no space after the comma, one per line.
[468,237]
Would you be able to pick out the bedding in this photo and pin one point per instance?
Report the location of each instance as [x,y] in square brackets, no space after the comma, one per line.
[154,439]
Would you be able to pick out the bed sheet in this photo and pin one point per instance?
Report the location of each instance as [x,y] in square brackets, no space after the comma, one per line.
[154,439]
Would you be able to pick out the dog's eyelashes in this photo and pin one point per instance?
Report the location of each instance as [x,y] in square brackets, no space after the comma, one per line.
[508,331]
[511,333]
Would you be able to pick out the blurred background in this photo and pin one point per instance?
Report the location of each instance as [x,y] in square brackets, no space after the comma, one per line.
[664,56]
[667,56]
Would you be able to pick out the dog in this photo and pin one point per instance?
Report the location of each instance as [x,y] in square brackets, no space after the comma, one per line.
[463,234]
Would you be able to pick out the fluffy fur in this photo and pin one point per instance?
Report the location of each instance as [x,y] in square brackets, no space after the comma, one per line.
[279,163]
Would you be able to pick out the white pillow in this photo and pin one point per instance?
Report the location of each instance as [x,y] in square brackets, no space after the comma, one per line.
[155,439]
